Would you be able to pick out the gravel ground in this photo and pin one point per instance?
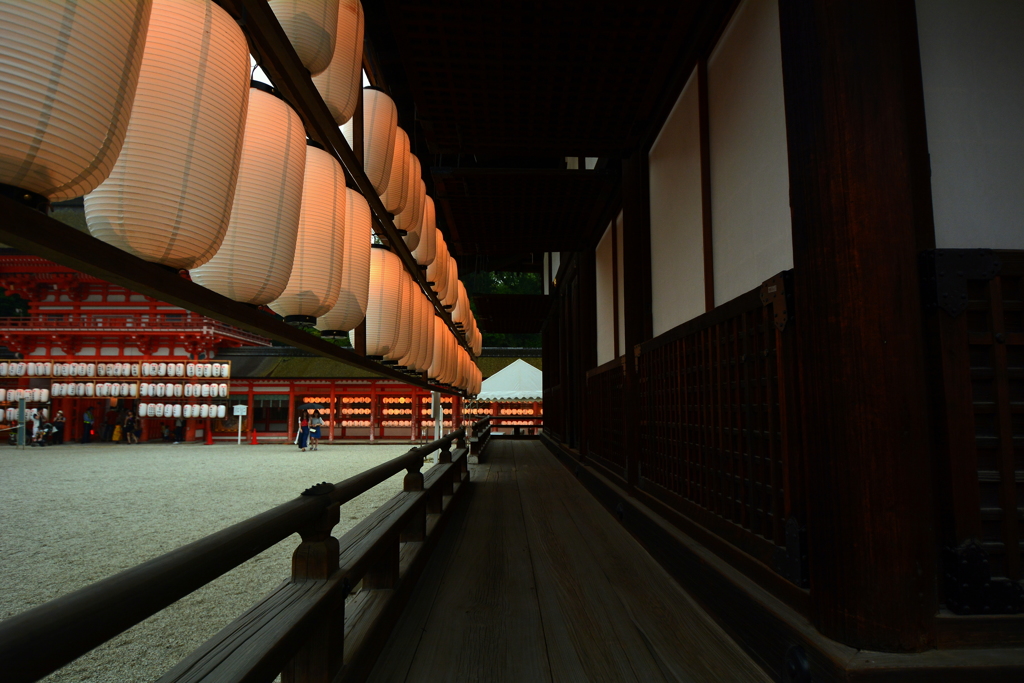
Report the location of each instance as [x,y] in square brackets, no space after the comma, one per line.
[71,515]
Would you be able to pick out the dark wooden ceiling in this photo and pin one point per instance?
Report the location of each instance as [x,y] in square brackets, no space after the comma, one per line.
[496,94]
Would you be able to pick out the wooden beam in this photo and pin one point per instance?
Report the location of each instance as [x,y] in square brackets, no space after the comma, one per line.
[276,56]
[29,230]
[705,184]
[860,197]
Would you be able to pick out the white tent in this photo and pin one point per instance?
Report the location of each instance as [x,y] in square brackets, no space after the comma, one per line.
[519,381]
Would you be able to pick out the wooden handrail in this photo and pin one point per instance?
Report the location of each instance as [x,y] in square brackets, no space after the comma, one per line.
[45,638]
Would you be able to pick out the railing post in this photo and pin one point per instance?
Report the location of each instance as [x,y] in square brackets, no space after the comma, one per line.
[316,559]
[417,529]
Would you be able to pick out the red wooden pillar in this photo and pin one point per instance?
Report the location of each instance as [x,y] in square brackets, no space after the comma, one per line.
[330,415]
[251,415]
[373,411]
[292,427]
[861,207]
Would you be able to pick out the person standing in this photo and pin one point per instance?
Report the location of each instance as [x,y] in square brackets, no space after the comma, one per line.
[58,428]
[315,423]
[87,421]
[303,435]
[109,422]
[129,429]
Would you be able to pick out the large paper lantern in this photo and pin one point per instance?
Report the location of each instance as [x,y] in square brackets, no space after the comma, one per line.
[320,246]
[397,195]
[405,328]
[380,126]
[67,87]
[384,302]
[436,369]
[255,259]
[426,249]
[437,271]
[168,198]
[451,292]
[350,308]
[311,27]
[340,82]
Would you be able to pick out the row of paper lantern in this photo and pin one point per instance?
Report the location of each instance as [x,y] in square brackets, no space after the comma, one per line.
[20,369]
[516,411]
[12,414]
[183,390]
[188,410]
[95,389]
[33,395]
[186,369]
[426,411]
[271,221]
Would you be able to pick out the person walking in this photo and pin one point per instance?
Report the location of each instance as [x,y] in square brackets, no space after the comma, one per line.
[58,428]
[303,435]
[87,421]
[315,423]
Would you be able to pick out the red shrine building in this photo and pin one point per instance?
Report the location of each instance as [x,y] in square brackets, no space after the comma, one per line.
[74,317]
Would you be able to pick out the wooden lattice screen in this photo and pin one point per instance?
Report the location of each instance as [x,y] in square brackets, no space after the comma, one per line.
[980,324]
[606,415]
[716,403]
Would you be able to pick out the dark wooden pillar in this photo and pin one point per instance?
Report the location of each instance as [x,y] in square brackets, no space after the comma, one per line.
[636,293]
[861,211]
[587,269]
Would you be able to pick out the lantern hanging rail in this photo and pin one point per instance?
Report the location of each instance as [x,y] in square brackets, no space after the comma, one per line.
[50,636]
[32,231]
[276,56]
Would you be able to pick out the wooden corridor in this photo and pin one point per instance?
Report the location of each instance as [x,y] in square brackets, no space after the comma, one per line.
[536,581]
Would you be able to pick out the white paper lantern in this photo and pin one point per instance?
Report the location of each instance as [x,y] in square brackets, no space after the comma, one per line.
[204,410]
[90,389]
[90,370]
[339,84]
[160,390]
[168,197]
[67,87]
[44,395]
[255,259]
[3,369]
[31,369]
[161,369]
[207,370]
[215,369]
[222,390]
[101,369]
[225,370]
[128,389]
[404,343]
[380,126]
[222,412]
[35,395]
[411,220]
[112,390]
[319,249]
[176,410]
[188,391]
[350,308]
[205,390]
[190,370]
[397,195]
[178,391]
[311,27]
[384,302]
[186,411]
[133,369]
[159,409]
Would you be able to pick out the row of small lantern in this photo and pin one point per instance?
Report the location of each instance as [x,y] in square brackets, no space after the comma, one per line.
[11,414]
[262,184]
[186,411]
[31,395]
[186,370]
[95,389]
[170,390]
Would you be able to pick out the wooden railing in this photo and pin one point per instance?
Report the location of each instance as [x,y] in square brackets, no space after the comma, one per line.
[479,435]
[304,629]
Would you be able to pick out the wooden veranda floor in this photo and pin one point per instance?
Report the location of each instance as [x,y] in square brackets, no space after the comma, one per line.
[535,581]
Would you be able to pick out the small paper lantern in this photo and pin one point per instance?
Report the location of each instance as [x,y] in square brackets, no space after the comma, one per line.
[186,411]
[190,370]
[215,369]
[255,259]
[222,390]
[176,410]
[340,82]
[384,302]
[204,410]
[397,195]
[311,27]
[207,370]
[205,390]
[319,249]
[350,308]
[222,412]
[178,391]
[159,409]
[168,197]
[67,87]
[225,370]
[380,126]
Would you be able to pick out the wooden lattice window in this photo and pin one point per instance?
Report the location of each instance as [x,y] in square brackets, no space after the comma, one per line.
[606,415]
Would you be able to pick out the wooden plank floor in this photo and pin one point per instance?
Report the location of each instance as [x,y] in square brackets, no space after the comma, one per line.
[535,581]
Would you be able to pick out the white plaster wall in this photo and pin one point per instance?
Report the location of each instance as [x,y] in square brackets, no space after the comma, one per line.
[605,304]
[972,64]
[677,222]
[751,224]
